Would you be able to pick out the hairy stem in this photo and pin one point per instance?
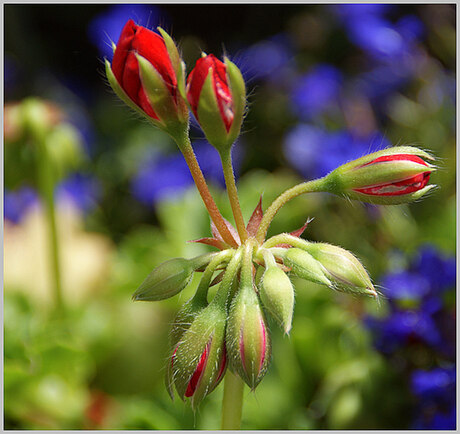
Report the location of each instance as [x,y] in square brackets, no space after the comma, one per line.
[187,151]
[232,404]
[280,201]
[232,192]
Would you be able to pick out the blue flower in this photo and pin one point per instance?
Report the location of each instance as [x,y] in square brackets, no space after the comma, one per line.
[440,271]
[106,27]
[436,385]
[163,177]
[17,203]
[266,58]
[402,328]
[369,30]
[405,285]
[317,91]
[315,152]
[84,191]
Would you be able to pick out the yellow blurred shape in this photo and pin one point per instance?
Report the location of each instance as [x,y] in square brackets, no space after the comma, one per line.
[84,257]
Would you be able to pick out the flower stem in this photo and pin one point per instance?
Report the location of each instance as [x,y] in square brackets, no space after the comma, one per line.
[305,187]
[232,404]
[46,183]
[190,158]
[232,191]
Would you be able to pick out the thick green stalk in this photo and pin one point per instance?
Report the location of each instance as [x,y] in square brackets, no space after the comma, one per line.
[232,192]
[232,404]
[316,185]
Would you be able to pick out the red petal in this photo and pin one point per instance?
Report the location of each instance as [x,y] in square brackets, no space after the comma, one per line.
[198,372]
[196,80]
[397,157]
[125,67]
[256,218]
[399,188]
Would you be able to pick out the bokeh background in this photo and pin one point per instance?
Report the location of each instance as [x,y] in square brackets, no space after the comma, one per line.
[326,83]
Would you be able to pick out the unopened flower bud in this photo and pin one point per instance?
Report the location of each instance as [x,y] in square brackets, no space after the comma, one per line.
[392,176]
[169,278]
[277,295]
[248,338]
[199,360]
[147,74]
[305,266]
[345,271]
[217,97]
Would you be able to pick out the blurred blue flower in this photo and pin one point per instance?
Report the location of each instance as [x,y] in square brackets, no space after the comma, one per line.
[369,30]
[106,27]
[402,328]
[405,285]
[314,151]
[392,50]
[440,271]
[84,191]
[266,58]
[436,385]
[162,177]
[316,91]
[17,203]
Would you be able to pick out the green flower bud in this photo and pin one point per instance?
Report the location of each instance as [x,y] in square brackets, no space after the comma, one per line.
[277,295]
[248,338]
[342,268]
[199,360]
[181,324]
[169,278]
[388,177]
[305,266]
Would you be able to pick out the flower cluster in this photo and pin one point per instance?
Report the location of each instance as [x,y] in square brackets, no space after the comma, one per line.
[253,272]
[421,321]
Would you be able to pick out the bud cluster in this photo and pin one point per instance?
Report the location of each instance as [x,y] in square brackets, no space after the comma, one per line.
[254,275]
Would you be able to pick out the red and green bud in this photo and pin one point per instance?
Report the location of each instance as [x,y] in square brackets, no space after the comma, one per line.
[392,176]
[148,75]
[199,360]
[248,338]
[217,97]
[277,295]
[305,266]
[343,269]
[169,278]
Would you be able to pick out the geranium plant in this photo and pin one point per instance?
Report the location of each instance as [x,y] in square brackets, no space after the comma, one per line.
[227,336]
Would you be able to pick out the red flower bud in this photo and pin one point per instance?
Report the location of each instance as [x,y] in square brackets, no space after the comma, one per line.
[147,74]
[398,187]
[217,97]
[134,40]
[218,70]
[388,177]
[199,360]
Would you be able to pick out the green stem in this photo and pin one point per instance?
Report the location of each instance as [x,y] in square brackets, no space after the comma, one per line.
[183,141]
[232,404]
[232,191]
[222,295]
[46,183]
[203,287]
[306,187]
